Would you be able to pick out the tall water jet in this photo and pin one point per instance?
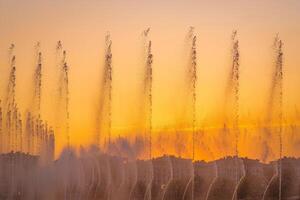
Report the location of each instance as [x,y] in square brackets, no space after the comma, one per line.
[103,119]
[279,63]
[192,84]
[148,89]
[275,112]
[66,89]
[34,110]
[63,89]
[103,125]
[277,94]
[10,93]
[37,81]
[144,168]
[235,76]
[232,96]
[148,94]
[192,81]
[10,104]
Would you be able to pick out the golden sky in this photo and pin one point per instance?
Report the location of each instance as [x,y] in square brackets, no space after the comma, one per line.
[82,25]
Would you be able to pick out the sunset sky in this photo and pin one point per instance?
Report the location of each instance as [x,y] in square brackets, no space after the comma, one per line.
[82,26]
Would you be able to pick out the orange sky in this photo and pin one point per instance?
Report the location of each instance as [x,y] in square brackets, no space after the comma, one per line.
[82,26]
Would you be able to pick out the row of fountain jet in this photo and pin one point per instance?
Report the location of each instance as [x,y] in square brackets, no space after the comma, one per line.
[29,133]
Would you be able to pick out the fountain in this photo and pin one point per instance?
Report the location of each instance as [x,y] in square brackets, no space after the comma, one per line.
[117,168]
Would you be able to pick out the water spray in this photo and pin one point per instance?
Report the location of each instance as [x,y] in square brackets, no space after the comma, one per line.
[278,76]
[276,96]
[149,62]
[10,102]
[192,84]
[236,85]
[192,73]
[105,103]
[108,81]
[11,88]
[38,80]
[63,87]
[66,87]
